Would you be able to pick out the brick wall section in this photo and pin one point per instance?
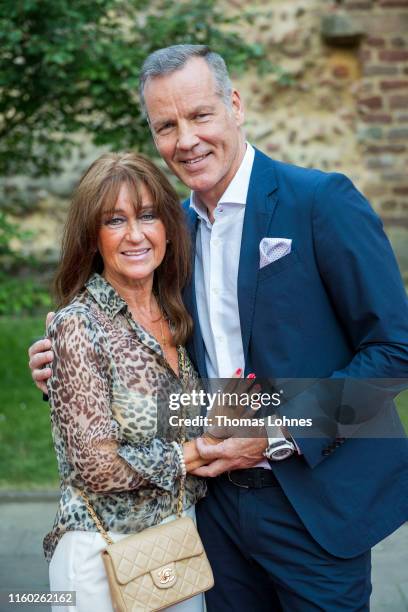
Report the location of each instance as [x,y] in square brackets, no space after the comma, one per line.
[347,108]
[382,99]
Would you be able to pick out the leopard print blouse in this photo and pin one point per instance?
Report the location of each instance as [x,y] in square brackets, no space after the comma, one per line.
[109,395]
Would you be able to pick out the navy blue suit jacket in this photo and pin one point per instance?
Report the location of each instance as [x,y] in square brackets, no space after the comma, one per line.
[334,307]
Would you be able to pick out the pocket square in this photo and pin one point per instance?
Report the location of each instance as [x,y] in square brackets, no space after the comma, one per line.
[271,249]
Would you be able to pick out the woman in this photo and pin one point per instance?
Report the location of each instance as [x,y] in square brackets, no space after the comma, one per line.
[117,341]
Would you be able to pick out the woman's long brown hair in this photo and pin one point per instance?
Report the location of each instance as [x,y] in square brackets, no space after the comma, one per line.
[97,193]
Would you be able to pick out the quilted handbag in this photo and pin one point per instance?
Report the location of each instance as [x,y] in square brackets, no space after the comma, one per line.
[155,568]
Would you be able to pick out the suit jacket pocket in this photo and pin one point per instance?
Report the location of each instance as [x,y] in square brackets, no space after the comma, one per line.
[278,266]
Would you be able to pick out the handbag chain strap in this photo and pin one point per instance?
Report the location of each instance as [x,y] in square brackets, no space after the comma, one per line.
[96,519]
[179,512]
[183,373]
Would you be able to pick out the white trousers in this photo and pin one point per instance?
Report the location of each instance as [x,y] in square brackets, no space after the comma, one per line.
[77,565]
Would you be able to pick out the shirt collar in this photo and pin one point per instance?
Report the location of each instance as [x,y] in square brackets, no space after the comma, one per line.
[105,295]
[237,190]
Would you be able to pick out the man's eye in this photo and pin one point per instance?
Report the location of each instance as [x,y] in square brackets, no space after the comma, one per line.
[202,115]
[164,129]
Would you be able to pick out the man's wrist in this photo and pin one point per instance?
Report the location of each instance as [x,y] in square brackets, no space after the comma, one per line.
[279,446]
[279,450]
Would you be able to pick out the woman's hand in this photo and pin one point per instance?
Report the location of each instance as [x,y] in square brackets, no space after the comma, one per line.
[192,458]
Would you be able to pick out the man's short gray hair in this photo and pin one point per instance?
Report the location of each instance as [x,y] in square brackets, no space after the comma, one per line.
[169,59]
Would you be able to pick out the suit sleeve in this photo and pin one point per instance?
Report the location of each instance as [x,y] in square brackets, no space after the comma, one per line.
[362,278]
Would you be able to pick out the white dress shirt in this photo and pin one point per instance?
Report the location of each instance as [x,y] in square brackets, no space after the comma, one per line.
[218,248]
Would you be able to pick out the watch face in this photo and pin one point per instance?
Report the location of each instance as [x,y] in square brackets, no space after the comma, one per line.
[279,449]
[283,453]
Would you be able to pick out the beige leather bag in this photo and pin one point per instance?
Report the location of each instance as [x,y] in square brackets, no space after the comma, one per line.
[156,568]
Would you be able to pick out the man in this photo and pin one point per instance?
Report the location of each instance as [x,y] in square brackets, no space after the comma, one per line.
[293,278]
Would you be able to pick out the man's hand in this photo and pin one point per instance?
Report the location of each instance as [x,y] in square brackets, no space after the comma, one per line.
[40,354]
[192,458]
[231,454]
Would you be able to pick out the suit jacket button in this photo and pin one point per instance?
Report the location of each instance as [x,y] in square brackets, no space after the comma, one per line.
[325,452]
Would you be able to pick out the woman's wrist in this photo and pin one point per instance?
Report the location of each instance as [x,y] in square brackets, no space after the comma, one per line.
[180,453]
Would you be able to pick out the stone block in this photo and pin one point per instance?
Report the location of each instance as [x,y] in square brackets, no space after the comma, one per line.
[358,5]
[375,190]
[388,206]
[374,102]
[381,161]
[340,29]
[380,118]
[393,55]
[380,70]
[385,23]
[398,133]
[394,177]
[391,148]
[401,190]
[368,133]
[399,42]
[394,3]
[399,102]
[396,84]
[375,41]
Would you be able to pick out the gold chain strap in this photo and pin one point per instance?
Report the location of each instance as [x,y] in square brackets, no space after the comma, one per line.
[182,439]
[95,517]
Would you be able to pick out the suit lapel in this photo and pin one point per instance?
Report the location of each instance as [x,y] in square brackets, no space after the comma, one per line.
[261,201]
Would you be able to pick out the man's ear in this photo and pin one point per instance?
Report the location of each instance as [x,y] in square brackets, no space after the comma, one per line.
[237,107]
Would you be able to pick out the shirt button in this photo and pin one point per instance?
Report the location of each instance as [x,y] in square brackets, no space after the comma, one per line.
[216,291]
[220,209]
[220,338]
[216,241]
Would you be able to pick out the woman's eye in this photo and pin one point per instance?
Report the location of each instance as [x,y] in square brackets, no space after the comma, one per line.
[148,216]
[114,221]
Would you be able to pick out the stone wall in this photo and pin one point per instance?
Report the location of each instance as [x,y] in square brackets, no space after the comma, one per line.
[345,108]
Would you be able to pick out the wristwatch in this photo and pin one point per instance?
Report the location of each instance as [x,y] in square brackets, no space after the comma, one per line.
[279,449]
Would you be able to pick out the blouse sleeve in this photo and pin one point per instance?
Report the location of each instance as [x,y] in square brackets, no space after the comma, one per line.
[79,391]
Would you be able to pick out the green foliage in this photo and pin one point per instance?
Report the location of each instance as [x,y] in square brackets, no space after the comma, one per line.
[69,67]
[10,231]
[22,295]
[27,455]
[20,291]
